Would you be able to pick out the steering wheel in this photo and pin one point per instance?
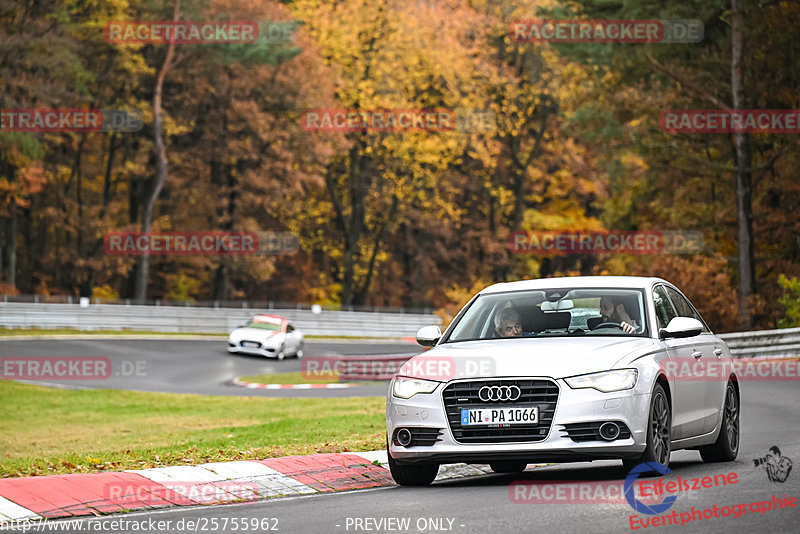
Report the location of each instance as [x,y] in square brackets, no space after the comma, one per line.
[604,325]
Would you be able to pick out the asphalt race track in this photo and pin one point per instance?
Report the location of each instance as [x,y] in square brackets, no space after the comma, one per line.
[483,504]
[200,367]
[480,505]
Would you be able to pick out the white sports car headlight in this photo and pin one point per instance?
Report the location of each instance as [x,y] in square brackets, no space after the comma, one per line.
[405,388]
[605,381]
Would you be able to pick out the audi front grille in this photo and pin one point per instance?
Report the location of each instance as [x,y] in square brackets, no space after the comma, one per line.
[465,395]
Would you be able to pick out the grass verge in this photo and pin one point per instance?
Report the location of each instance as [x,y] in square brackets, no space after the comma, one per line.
[48,431]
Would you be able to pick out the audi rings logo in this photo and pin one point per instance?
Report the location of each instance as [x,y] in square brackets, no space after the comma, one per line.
[499,393]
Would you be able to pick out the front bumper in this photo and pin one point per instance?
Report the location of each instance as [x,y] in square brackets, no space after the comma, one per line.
[269,351]
[573,406]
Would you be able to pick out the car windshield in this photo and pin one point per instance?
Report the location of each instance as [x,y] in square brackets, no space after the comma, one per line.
[553,313]
[263,326]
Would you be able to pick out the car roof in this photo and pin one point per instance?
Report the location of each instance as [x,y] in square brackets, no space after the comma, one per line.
[267,318]
[633,282]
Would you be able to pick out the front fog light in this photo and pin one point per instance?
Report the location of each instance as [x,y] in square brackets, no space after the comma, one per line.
[405,388]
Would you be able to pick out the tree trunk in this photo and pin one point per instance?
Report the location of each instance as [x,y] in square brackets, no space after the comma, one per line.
[744,207]
[142,274]
[352,225]
[360,296]
[11,246]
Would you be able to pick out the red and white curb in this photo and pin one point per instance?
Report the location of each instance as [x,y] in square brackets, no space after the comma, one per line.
[58,496]
[255,385]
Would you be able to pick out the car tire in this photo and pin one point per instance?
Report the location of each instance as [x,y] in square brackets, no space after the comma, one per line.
[299,352]
[281,354]
[659,432]
[726,448]
[509,466]
[414,474]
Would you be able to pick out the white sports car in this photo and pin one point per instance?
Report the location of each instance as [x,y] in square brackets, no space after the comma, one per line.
[267,335]
[560,370]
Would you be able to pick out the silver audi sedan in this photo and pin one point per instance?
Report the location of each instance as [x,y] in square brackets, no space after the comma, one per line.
[562,370]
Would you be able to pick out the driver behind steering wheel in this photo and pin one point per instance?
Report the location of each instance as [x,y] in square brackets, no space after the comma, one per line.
[613,311]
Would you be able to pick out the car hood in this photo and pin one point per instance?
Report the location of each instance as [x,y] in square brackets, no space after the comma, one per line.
[254,334]
[551,357]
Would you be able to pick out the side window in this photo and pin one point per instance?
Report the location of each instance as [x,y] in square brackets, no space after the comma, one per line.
[289,328]
[664,311]
[682,305]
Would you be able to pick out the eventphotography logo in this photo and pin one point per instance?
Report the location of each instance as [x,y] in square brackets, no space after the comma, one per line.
[777,467]
[69,120]
[606,31]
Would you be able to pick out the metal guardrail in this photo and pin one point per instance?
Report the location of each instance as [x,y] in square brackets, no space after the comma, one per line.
[206,320]
[237,304]
[781,343]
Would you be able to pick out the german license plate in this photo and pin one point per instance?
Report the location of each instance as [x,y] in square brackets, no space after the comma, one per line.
[252,344]
[500,416]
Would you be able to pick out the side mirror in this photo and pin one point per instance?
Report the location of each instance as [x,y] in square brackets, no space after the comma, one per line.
[428,336]
[681,327]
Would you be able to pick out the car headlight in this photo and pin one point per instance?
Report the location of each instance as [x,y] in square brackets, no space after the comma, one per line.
[606,381]
[405,388]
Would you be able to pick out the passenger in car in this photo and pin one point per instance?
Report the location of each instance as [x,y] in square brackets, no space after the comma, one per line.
[508,323]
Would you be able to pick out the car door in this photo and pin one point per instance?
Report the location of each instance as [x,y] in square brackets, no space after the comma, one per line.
[710,356]
[688,393]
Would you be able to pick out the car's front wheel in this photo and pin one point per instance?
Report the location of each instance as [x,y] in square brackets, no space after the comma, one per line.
[509,466]
[659,432]
[726,448]
[281,354]
[412,474]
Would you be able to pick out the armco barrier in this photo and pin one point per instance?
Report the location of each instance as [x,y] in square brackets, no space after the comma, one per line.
[206,320]
[782,343]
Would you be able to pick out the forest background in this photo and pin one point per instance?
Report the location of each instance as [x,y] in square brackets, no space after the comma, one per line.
[415,218]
